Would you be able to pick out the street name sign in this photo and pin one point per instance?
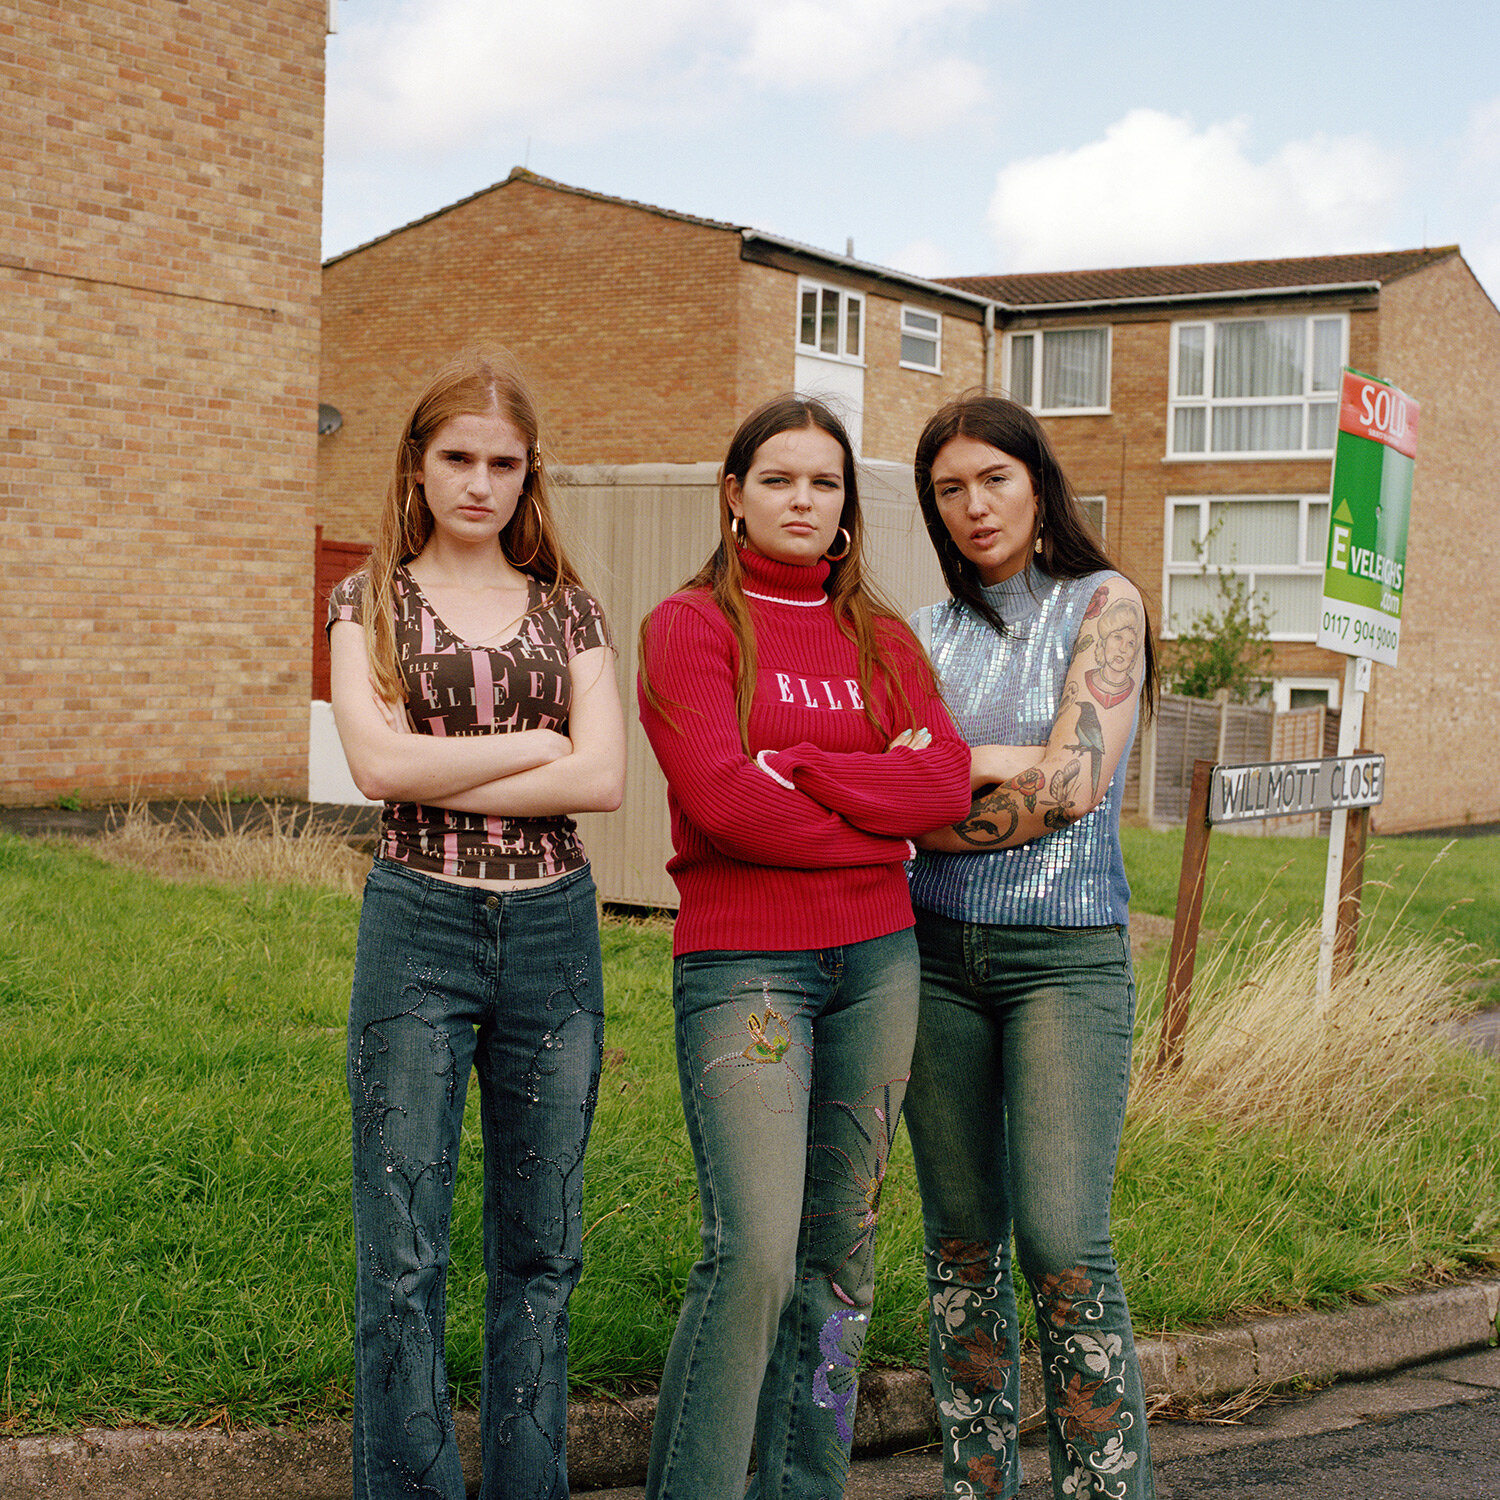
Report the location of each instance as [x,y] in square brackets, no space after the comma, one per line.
[1290,788]
[1365,566]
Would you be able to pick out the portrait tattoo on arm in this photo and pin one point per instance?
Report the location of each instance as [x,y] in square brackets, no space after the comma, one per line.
[1117,652]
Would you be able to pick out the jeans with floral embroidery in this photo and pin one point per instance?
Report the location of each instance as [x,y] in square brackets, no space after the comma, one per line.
[449,977]
[1015,1106]
[792,1067]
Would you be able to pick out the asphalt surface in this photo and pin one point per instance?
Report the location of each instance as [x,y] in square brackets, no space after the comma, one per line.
[1431,1432]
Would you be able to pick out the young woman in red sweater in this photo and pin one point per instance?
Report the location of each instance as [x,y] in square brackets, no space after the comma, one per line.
[804,744]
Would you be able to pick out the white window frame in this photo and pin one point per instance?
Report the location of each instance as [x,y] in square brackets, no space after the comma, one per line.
[1085,501]
[1311,554]
[1281,690]
[933,335]
[1208,403]
[846,299]
[1038,336]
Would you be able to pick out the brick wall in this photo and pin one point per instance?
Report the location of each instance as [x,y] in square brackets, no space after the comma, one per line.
[627,322]
[898,402]
[1434,715]
[161,210]
[646,335]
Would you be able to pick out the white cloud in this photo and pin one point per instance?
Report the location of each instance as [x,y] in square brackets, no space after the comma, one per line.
[832,45]
[1157,190]
[933,97]
[924,257]
[424,78]
[435,76]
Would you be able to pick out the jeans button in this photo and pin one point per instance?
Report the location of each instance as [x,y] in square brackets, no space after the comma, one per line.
[492,902]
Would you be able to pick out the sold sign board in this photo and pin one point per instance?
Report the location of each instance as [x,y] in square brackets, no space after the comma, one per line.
[1365,570]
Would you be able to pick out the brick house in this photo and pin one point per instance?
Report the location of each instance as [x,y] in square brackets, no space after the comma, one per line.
[160,282]
[1183,398]
[647,333]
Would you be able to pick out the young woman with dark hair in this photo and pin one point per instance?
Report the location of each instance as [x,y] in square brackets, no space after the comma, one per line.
[474,692]
[1022,1058]
[804,744]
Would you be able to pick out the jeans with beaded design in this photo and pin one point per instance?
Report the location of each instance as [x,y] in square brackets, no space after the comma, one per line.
[1016,1102]
[792,1067]
[449,977]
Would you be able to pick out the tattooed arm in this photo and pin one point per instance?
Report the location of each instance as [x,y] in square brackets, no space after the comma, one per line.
[1024,792]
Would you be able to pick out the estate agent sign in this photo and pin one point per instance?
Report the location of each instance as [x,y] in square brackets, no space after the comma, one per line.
[1371,502]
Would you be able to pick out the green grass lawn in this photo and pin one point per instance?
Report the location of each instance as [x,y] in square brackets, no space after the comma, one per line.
[174,1239]
[1437,886]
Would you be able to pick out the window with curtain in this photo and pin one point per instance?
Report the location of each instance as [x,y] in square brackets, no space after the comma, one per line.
[830,322]
[1278,542]
[1262,386]
[1059,370]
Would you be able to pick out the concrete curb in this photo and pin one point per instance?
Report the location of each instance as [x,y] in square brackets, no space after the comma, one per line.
[608,1440]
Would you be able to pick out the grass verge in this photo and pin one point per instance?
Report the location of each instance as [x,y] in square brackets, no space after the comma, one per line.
[174,1243]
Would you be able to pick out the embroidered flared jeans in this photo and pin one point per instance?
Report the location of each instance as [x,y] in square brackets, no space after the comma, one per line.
[450,977]
[1015,1106]
[792,1067]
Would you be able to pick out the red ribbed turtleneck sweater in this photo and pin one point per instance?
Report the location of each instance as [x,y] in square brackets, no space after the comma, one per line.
[806,848]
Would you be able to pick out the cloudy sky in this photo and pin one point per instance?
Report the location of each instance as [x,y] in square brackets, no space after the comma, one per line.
[945,137]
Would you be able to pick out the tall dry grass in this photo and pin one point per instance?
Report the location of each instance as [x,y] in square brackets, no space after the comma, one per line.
[1261,1049]
[279,844]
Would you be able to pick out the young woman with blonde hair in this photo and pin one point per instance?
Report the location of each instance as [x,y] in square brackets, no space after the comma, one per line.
[474,692]
[804,743]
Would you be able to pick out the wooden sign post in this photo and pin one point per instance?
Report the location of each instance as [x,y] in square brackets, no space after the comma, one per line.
[1240,794]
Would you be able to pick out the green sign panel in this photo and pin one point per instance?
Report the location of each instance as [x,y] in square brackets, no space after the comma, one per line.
[1365,570]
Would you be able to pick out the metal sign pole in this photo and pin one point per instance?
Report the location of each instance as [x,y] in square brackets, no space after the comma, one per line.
[1358,671]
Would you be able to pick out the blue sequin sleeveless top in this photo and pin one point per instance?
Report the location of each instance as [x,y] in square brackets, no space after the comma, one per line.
[1004,690]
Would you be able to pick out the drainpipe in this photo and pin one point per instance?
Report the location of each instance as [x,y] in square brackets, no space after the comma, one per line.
[989,348]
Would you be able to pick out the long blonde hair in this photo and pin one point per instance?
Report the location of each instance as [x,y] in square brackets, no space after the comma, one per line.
[472,384]
[857,604]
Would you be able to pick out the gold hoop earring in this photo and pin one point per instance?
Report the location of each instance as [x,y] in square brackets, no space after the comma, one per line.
[539,535]
[737,531]
[408,516]
[848,543]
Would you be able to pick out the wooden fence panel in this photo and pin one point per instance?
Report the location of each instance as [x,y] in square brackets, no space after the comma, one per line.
[1304,734]
[638,531]
[1189,729]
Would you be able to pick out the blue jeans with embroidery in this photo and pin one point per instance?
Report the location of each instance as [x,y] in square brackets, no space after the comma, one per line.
[450,977]
[1016,1102]
[792,1067]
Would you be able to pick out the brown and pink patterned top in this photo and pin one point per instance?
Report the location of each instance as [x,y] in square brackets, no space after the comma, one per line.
[455,688]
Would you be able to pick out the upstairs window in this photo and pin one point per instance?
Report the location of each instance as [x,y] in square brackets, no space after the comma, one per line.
[830,322]
[1262,386]
[1057,371]
[921,339]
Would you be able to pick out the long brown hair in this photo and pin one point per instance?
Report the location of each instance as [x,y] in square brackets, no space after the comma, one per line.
[857,605]
[472,384]
[1070,548]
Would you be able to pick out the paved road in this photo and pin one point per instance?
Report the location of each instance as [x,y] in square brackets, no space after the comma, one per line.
[1428,1433]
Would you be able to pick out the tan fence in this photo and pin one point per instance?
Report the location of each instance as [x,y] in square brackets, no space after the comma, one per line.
[1185,730]
[638,531]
